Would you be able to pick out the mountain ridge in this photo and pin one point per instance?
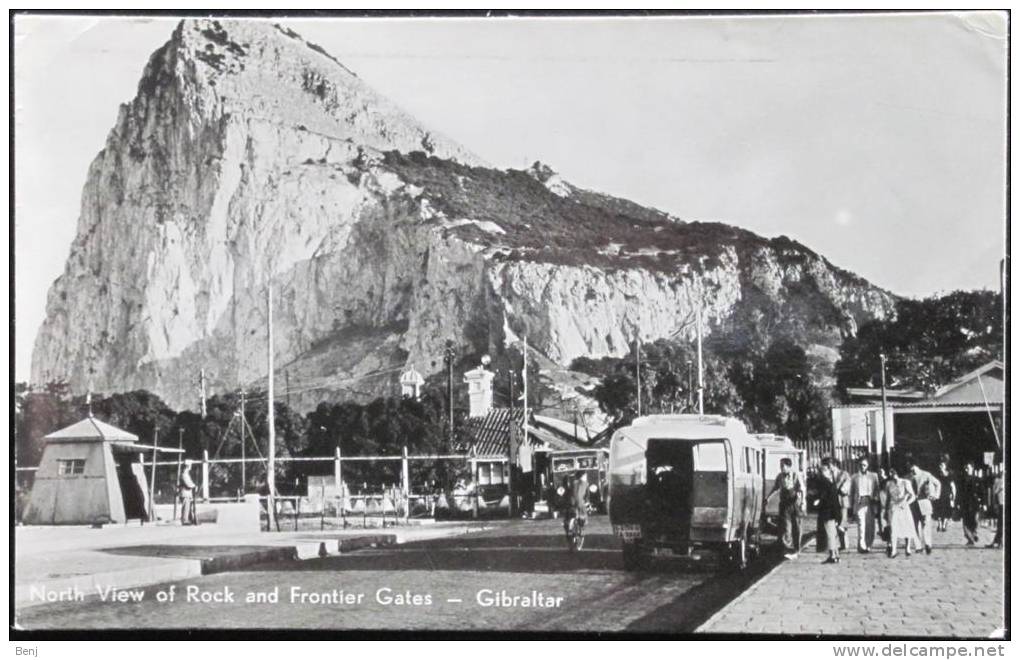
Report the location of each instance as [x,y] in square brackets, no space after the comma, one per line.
[249,156]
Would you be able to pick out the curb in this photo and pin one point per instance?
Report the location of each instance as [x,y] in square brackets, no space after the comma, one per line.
[168,571]
[182,569]
[808,541]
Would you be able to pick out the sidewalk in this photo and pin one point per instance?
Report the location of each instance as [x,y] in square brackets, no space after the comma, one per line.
[50,561]
[954,592]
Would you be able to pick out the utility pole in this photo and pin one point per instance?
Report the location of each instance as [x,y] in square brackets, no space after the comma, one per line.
[449,356]
[701,370]
[152,479]
[885,445]
[201,384]
[271,417]
[690,386]
[510,383]
[286,376]
[525,423]
[180,453]
[244,475]
[637,372]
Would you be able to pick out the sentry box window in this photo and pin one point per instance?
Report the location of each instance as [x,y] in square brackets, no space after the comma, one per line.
[70,467]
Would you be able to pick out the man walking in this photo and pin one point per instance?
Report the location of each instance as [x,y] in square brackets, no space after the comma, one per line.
[186,489]
[864,498]
[842,481]
[970,503]
[928,489]
[999,502]
[791,501]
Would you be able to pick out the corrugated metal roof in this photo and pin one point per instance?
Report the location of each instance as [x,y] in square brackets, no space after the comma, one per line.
[964,379]
[570,429]
[91,428]
[133,447]
[490,435]
[551,441]
[922,404]
[875,394]
[948,404]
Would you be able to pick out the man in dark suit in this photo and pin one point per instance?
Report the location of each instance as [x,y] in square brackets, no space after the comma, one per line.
[971,497]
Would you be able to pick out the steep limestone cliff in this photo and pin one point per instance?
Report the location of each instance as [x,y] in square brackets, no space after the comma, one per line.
[250,157]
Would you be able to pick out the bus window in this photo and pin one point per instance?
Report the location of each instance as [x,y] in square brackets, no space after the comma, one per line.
[709,457]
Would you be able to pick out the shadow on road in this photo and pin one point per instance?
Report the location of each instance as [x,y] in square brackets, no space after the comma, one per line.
[507,554]
[504,554]
[186,551]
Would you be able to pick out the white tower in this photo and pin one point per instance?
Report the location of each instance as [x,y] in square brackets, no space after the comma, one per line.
[410,383]
[479,382]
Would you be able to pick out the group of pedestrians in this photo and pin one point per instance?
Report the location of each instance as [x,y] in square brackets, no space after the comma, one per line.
[905,505]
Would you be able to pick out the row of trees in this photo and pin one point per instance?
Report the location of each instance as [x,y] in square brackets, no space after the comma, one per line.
[756,367]
[929,343]
[771,391]
[381,427]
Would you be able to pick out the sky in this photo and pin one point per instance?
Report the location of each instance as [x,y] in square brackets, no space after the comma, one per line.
[877,140]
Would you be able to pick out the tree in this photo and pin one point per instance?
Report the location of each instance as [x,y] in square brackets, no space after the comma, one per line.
[140,412]
[38,412]
[928,344]
[617,397]
[380,428]
[769,385]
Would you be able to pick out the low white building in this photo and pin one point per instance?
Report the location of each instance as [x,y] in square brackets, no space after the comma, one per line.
[962,419]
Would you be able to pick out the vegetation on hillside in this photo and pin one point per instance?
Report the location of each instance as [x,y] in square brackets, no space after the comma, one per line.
[583,228]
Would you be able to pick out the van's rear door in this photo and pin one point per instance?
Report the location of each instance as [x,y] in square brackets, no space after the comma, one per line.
[710,496]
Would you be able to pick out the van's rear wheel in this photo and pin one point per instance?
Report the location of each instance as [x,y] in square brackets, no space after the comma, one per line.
[633,558]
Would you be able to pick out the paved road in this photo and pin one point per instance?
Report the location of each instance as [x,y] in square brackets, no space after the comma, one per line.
[453,583]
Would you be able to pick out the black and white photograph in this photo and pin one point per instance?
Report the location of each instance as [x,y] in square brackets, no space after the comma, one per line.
[512,325]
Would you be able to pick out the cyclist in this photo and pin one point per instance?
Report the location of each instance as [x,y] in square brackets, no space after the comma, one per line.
[577,503]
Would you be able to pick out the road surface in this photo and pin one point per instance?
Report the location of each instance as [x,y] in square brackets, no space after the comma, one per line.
[518,576]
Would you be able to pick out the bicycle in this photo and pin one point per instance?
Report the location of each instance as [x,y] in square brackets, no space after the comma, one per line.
[575,534]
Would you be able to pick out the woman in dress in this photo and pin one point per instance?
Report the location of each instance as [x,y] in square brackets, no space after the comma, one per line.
[897,496]
[828,506]
[944,505]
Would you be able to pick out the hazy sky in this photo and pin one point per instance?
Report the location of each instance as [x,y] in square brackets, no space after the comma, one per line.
[878,141]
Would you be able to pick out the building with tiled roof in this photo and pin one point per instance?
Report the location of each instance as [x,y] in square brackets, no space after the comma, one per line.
[543,452]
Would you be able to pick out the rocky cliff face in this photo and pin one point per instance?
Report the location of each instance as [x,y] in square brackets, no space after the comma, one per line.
[252,159]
